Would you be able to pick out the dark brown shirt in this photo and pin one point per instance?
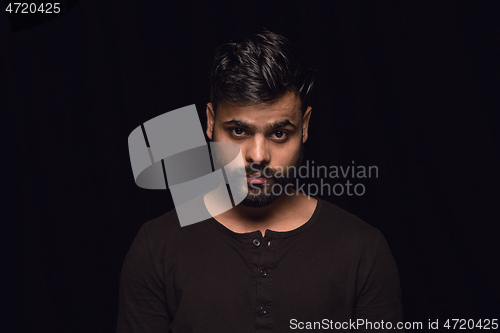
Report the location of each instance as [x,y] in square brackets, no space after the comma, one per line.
[329,272]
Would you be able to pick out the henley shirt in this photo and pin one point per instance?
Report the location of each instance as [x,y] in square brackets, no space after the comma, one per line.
[333,271]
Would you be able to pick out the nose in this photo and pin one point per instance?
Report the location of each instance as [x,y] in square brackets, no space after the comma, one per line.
[257,150]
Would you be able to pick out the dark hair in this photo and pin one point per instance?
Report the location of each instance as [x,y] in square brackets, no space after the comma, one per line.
[260,68]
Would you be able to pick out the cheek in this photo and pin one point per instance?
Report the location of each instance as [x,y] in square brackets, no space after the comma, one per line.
[287,155]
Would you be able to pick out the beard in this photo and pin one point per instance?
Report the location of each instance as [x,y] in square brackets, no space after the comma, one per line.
[260,195]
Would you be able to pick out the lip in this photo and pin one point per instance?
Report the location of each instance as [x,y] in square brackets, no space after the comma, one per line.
[256,180]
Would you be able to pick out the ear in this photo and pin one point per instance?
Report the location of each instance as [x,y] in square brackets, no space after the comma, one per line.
[210,120]
[305,123]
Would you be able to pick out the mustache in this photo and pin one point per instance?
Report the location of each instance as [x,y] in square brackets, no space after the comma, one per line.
[260,170]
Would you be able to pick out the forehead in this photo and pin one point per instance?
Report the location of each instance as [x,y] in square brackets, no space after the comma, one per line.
[287,107]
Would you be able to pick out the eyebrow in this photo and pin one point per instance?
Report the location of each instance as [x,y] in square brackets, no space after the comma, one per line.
[271,126]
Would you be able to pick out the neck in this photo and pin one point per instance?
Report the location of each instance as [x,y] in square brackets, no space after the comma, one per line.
[279,216]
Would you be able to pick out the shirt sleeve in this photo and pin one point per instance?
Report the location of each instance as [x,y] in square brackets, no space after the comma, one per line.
[142,300]
[378,305]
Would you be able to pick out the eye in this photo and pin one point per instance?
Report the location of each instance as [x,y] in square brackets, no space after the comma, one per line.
[238,132]
[280,135]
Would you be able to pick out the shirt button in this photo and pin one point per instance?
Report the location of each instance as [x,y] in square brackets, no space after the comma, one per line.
[263,273]
[263,310]
[256,242]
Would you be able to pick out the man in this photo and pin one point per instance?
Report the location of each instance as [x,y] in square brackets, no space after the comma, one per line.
[278,261]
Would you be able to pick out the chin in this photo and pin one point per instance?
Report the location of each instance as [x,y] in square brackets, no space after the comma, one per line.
[259,201]
[261,198]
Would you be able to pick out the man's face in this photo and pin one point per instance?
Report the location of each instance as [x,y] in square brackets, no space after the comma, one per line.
[270,137]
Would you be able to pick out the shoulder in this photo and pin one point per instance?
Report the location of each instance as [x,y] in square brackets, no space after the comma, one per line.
[345,235]
[332,216]
[337,225]
[158,236]
[162,227]
[165,236]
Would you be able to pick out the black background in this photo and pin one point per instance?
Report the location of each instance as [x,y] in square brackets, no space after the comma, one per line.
[411,87]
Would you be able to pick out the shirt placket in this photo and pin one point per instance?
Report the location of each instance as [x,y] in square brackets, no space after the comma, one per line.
[263,249]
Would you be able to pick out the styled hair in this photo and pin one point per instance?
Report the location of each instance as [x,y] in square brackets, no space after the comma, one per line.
[259,68]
